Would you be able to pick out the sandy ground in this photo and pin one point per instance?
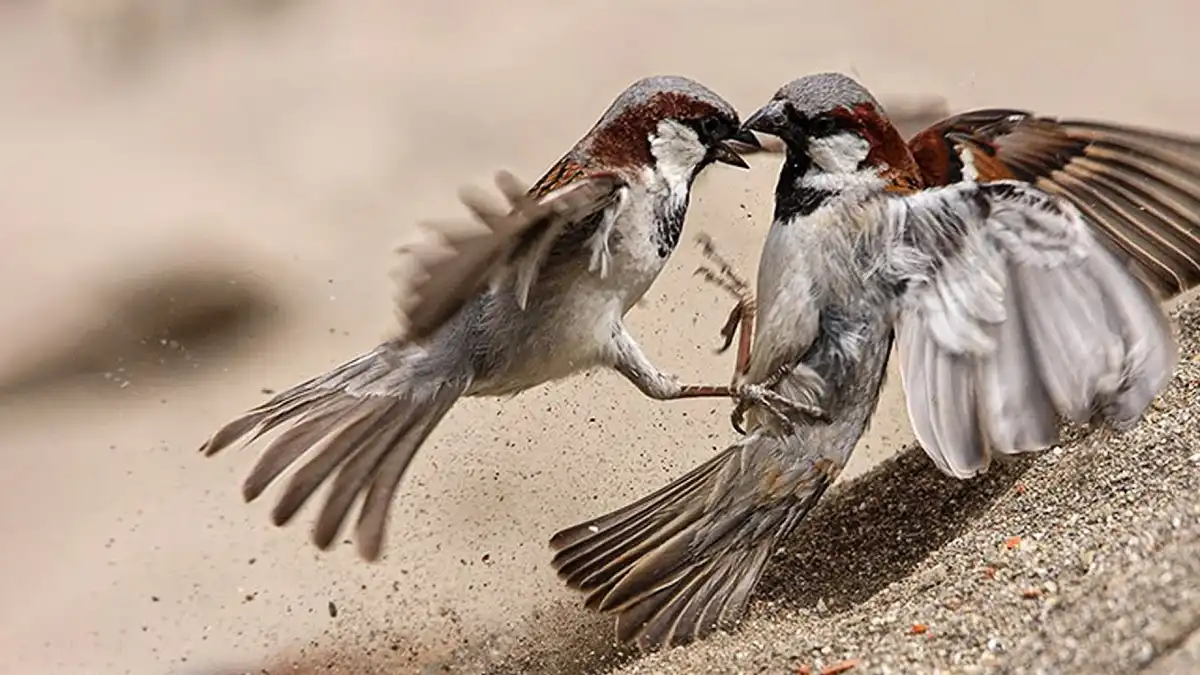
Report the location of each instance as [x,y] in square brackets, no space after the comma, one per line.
[1084,559]
[208,215]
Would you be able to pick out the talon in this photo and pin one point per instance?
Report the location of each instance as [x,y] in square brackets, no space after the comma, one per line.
[737,417]
[773,402]
[744,305]
[789,427]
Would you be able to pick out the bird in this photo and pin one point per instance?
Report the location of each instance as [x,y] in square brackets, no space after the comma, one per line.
[491,306]
[1009,300]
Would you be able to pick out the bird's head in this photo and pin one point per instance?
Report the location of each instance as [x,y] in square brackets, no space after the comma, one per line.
[673,125]
[832,123]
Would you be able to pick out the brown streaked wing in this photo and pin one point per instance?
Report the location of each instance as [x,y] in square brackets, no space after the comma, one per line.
[1139,188]
[456,260]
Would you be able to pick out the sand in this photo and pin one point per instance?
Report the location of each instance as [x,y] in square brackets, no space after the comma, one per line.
[210,213]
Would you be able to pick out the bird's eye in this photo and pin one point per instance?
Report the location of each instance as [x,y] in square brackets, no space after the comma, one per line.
[710,128]
[822,126]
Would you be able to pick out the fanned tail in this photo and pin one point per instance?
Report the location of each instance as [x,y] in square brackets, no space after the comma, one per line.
[364,421]
[684,561]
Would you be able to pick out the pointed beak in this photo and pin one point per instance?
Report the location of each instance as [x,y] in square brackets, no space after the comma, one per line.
[769,119]
[744,141]
[723,153]
[747,138]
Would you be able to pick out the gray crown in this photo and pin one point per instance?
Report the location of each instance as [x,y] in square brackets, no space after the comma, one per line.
[817,94]
[646,88]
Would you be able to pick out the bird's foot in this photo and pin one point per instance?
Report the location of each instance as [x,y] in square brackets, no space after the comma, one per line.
[787,411]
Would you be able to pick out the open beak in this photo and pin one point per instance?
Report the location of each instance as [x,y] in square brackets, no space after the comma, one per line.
[723,151]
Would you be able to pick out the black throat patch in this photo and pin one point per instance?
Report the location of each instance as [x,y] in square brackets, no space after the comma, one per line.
[668,217]
[793,199]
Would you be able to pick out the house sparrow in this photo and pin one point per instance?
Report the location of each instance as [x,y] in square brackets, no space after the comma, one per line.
[1007,307]
[537,294]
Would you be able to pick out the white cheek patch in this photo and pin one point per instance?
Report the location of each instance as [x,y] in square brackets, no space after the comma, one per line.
[839,153]
[677,152]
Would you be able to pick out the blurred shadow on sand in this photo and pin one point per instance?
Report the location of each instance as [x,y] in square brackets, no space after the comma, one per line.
[127,38]
[156,326]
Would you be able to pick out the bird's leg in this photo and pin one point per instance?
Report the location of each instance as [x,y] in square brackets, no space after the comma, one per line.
[777,404]
[629,360]
[741,317]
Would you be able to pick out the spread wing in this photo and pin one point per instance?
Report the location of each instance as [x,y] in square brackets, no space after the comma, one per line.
[1012,311]
[454,261]
[1139,188]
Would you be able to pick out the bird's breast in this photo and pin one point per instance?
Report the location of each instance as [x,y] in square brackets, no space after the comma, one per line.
[645,235]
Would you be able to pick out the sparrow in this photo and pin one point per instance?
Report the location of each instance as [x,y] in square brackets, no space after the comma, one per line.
[981,250]
[517,297]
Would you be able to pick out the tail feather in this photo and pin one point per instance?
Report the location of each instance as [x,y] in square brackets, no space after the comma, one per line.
[705,599]
[362,423]
[337,448]
[588,548]
[684,561]
[372,519]
[629,544]
[368,449]
[290,445]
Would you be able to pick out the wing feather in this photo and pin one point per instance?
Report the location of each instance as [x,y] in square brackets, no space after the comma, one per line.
[1013,314]
[452,262]
[1140,188]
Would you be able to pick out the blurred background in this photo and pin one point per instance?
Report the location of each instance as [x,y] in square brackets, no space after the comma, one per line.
[198,205]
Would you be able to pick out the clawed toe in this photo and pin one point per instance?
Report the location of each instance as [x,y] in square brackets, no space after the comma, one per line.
[787,411]
[738,416]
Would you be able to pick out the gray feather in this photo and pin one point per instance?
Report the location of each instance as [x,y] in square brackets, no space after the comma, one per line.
[292,443]
[386,476]
[595,197]
[370,445]
[1016,411]
[361,425]
[456,261]
[684,561]
[1014,312]
[1071,344]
